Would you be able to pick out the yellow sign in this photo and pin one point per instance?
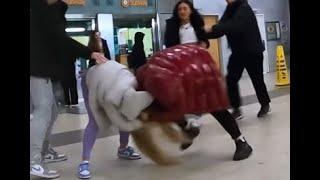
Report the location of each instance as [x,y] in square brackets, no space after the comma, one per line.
[282,71]
[75,2]
[127,3]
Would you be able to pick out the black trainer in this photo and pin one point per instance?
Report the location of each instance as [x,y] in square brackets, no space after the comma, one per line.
[237,114]
[243,150]
[265,109]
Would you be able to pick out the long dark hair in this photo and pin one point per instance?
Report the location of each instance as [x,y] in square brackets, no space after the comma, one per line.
[196,19]
[95,44]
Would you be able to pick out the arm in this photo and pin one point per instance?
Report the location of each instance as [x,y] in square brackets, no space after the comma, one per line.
[170,37]
[235,25]
[167,37]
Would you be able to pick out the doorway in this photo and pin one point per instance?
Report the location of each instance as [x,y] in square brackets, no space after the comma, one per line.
[124,32]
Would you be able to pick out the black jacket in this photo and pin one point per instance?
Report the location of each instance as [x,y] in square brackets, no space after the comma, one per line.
[106,51]
[172,38]
[240,25]
[137,57]
[49,43]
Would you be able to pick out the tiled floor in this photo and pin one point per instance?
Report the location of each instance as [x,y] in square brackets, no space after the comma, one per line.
[210,157]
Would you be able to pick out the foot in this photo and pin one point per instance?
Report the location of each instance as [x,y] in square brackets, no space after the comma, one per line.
[84,171]
[40,170]
[237,114]
[243,150]
[54,156]
[265,109]
[192,130]
[128,153]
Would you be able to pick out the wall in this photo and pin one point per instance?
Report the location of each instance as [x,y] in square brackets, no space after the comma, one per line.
[110,7]
[274,10]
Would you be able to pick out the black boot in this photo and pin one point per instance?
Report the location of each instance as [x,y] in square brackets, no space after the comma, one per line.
[237,114]
[265,109]
[243,150]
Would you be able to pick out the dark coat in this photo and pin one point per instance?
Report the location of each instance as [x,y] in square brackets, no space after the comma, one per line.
[137,57]
[240,25]
[50,45]
[172,38]
[106,51]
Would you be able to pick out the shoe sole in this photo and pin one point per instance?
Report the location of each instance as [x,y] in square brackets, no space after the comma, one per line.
[128,158]
[261,116]
[84,177]
[250,153]
[55,160]
[43,176]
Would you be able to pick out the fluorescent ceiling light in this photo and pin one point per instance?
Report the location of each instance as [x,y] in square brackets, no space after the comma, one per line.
[75,29]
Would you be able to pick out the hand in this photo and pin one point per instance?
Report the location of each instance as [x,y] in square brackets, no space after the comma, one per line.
[99,57]
[203,44]
[208,29]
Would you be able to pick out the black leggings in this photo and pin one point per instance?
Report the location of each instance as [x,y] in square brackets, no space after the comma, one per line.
[228,123]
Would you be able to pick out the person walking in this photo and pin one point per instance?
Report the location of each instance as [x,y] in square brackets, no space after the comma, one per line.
[240,26]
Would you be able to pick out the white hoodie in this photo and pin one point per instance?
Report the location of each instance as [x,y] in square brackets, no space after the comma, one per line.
[113,98]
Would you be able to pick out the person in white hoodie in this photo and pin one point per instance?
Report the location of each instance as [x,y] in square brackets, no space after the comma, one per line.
[111,99]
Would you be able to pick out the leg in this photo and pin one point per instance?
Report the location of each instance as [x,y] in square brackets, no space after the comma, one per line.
[54,115]
[91,131]
[243,149]
[65,88]
[228,123]
[254,66]
[90,134]
[73,88]
[235,69]
[124,139]
[42,98]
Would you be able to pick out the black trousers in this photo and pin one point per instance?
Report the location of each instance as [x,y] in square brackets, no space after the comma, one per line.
[253,63]
[69,85]
[226,120]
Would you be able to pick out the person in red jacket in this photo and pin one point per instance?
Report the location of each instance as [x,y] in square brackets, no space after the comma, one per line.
[187,26]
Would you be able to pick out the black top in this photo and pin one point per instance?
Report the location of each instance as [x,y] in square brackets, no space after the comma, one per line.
[49,43]
[240,25]
[172,38]
[137,57]
[106,51]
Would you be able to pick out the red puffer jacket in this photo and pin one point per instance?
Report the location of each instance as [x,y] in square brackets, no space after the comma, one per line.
[184,79]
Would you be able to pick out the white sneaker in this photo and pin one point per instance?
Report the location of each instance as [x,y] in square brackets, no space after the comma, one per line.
[54,156]
[43,172]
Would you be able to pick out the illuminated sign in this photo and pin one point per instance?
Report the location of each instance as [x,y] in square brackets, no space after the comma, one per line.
[127,3]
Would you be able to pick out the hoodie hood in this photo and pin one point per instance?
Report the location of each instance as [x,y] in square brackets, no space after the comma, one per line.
[138,37]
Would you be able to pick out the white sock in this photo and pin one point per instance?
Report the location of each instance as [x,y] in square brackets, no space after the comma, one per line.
[84,162]
[241,137]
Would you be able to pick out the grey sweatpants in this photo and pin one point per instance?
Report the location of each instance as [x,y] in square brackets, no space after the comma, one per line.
[45,113]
